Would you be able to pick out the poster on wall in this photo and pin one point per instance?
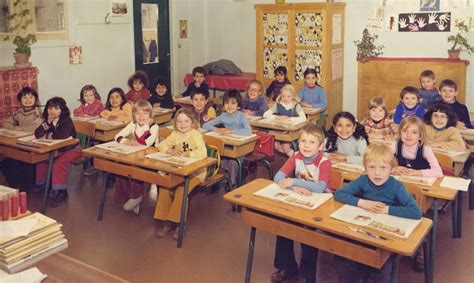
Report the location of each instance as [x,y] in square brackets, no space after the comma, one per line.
[428,22]
[429,5]
[336,67]
[75,54]
[118,8]
[336,29]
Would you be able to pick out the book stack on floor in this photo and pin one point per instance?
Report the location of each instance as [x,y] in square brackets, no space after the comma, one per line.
[42,237]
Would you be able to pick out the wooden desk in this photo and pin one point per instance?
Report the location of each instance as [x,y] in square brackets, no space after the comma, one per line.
[138,167]
[162,115]
[281,132]
[103,132]
[225,82]
[305,226]
[35,153]
[312,115]
[62,268]
[232,148]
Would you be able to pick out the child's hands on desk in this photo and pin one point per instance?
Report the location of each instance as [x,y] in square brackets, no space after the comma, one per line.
[373,206]
[302,191]
[131,142]
[112,118]
[248,112]
[401,170]
[223,131]
[306,104]
[460,125]
[337,157]
[282,118]
[286,183]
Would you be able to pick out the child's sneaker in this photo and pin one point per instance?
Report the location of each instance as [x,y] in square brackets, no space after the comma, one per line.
[153,192]
[176,232]
[164,230]
[136,209]
[131,203]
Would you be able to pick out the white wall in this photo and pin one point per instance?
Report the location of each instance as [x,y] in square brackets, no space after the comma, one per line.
[107,53]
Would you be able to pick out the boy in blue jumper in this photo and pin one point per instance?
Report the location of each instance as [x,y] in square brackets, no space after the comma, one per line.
[306,171]
[199,77]
[375,192]
[449,90]
[428,92]
[409,106]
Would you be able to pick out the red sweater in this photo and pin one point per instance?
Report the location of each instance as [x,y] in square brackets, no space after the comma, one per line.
[134,96]
[93,109]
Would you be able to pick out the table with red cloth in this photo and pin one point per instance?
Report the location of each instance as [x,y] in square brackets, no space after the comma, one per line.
[12,80]
[239,82]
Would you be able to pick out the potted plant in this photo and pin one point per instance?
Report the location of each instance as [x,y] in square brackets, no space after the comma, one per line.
[19,21]
[459,40]
[366,47]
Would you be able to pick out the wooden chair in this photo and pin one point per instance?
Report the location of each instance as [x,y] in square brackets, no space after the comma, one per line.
[215,149]
[337,181]
[446,163]
[85,131]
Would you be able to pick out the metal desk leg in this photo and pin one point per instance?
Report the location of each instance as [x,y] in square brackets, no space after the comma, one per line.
[459,219]
[471,196]
[240,166]
[103,191]
[426,262]
[434,208]
[395,268]
[455,215]
[183,212]
[248,271]
[48,182]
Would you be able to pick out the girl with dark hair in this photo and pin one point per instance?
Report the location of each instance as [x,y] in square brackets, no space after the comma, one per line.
[91,105]
[57,124]
[138,84]
[273,90]
[161,96]
[116,107]
[346,140]
[312,95]
[441,131]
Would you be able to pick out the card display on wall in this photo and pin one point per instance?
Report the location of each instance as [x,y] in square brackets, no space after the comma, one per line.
[428,22]
[275,28]
[118,8]
[75,54]
[429,5]
[309,29]
[308,59]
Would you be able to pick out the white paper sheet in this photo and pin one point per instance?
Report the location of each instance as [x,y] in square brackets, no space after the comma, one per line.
[397,226]
[349,167]
[275,192]
[426,181]
[16,228]
[106,122]
[33,139]
[168,158]
[32,275]
[450,153]
[13,133]
[455,183]
[230,136]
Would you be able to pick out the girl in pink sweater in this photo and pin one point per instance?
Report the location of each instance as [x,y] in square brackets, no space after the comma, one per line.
[90,102]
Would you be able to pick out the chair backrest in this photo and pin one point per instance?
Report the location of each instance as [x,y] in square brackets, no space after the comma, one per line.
[417,194]
[85,131]
[336,182]
[164,132]
[215,142]
[446,163]
[215,148]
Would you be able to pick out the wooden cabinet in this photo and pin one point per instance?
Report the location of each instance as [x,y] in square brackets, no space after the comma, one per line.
[386,77]
[299,36]
[12,80]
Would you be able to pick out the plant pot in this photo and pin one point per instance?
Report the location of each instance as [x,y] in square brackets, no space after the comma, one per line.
[21,60]
[454,54]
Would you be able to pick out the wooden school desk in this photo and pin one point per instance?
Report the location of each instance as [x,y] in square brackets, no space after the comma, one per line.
[225,82]
[316,228]
[281,132]
[62,268]
[136,166]
[233,148]
[33,153]
[312,114]
[162,115]
[103,132]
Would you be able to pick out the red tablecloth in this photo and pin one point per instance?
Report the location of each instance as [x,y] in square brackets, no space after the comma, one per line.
[239,82]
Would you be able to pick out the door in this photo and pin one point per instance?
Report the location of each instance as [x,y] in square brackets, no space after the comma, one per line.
[152,38]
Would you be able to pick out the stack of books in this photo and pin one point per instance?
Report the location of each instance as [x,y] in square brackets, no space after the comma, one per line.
[18,252]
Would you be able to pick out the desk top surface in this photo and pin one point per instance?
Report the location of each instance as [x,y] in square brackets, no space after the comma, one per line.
[276,125]
[139,159]
[35,147]
[320,218]
[62,268]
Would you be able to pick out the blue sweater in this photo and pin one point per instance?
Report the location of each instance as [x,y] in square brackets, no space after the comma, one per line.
[461,112]
[204,88]
[392,193]
[315,96]
[430,97]
[258,107]
[235,121]
[402,111]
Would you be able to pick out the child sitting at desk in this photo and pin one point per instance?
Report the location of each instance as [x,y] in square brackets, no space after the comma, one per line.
[449,90]
[376,123]
[312,95]
[429,94]
[441,131]
[286,108]
[187,141]
[375,192]
[274,89]
[57,124]
[346,140]
[235,122]
[117,108]
[142,131]
[306,171]
[254,104]
[138,84]
[161,96]
[409,106]
[201,107]
[91,105]
[199,77]
[26,118]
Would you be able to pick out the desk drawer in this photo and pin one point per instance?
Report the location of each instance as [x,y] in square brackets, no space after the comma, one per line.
[235,151]
[138,173]
[21,155]
[370,256]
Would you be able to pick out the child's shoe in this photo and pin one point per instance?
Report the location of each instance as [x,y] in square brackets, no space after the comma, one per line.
[61,198]
[176,232]
[136,209]
[164,230]
[131,203]
[89,171]
[418,261]
[283,274]
[153,192]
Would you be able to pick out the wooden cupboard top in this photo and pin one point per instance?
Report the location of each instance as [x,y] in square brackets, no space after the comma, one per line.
[320,218]
[298,5]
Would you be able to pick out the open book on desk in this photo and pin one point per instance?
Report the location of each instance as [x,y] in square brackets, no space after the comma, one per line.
[455,183]
[467,132]
[32,139]
[105,122]
[283,123]
[450,153]
[231,136]
[425,181]
[83,118]
[183,100]
[275,192]
[116,147]
[159,110]
[349,167]
[397,226]
[13,133]
[311,110]
[171,159]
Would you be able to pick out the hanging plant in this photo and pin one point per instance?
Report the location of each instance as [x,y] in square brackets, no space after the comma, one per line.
[366,47]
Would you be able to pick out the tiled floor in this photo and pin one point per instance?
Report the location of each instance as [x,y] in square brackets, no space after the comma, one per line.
[215,244]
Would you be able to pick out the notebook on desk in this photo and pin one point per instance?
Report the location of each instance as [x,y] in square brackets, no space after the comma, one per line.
[13,133]
[175,160]
[41,141]
[116,147]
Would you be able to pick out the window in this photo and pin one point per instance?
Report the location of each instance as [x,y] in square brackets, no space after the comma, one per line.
[49,18]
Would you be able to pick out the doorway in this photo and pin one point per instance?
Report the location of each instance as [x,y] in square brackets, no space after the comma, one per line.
[152,38]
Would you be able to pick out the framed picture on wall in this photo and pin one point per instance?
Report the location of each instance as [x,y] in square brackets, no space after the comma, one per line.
[429,5]
[75,54]
[118,8]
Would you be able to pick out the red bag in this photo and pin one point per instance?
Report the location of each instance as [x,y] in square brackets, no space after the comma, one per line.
[265,144]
